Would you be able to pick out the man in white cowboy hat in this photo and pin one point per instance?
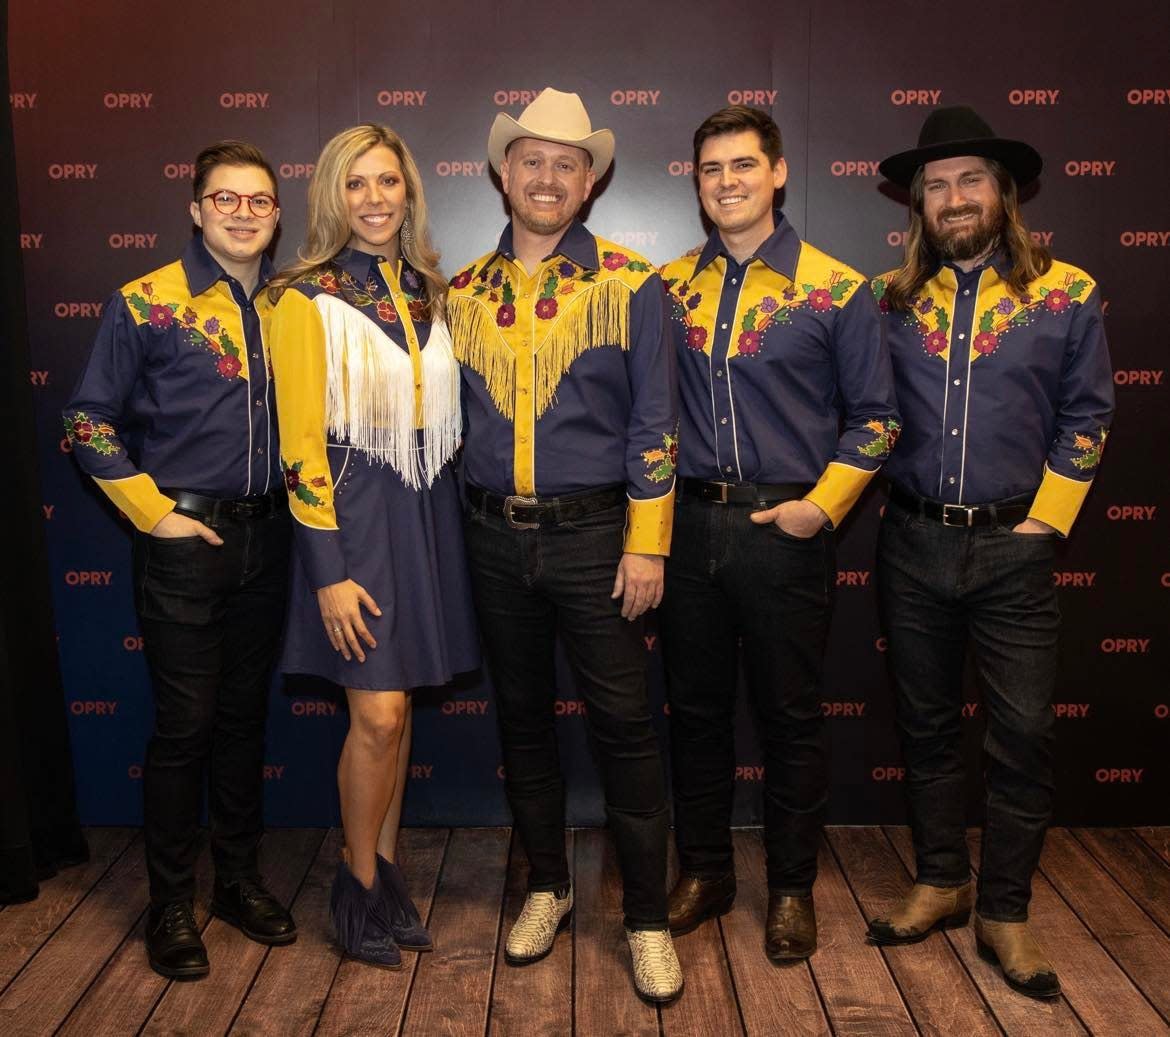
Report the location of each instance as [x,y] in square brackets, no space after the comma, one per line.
[571,420]
[1004,381]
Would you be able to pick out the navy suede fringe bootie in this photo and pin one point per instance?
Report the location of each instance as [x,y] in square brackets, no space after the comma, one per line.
[361,920]
[405,923]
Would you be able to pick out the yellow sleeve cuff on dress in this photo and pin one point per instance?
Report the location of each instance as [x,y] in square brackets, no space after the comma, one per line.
[139,499]
[1059,500]
[837,490]
[649,524]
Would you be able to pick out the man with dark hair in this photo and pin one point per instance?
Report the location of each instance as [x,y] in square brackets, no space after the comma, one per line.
[173,417]
[1005,384]
[787,412]
[569,391]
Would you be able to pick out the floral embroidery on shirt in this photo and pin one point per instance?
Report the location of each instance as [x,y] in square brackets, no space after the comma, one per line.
[301,490]
[885,436]
[683,303]
[1010,312]
[371,294]
[660,461]
[1090,449]
[211,336]
[94,434]
[616,260]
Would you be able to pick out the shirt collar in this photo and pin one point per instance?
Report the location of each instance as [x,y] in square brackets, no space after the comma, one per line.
[357,264]
[780,250]
[999,260]
[202,271]
[576,244]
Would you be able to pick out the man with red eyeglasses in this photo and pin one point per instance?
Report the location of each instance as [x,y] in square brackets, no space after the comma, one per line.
[174,419]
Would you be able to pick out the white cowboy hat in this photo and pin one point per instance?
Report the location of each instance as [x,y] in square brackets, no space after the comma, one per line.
[557,117]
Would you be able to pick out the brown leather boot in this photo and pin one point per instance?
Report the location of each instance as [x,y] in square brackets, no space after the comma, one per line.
[695,899]
[1011,946]
[791,931]
[923,910]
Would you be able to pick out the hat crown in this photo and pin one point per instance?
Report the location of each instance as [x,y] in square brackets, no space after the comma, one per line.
[554,113]
[957,122]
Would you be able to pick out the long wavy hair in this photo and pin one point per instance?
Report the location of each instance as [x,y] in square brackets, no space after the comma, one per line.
[328,215]
[1029,260]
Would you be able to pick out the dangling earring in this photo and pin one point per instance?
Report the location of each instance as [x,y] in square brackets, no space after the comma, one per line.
[406,234]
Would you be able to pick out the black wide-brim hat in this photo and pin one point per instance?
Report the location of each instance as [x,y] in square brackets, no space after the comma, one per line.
[959,130]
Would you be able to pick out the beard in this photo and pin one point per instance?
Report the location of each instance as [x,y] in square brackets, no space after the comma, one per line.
[969,241]
[540,221]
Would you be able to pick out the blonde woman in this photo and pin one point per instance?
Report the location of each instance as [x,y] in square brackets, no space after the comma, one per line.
[368,401]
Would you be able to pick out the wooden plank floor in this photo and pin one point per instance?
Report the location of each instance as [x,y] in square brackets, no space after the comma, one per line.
[72,961]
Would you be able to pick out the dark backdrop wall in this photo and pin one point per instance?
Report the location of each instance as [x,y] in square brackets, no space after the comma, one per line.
[112,101]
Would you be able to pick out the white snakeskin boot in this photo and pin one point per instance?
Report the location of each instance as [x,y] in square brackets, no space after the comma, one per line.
[543,916]
[658,976]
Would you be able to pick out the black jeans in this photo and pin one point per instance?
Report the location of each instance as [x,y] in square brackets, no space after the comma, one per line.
[529,587]
[211,619]
[943,591]
[728,579]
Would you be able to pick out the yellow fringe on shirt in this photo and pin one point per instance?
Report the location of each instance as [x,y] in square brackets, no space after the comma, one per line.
[479,344]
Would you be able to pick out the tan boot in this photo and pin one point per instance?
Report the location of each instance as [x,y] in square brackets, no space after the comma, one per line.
[658,976]
[923,910]
[1012,947]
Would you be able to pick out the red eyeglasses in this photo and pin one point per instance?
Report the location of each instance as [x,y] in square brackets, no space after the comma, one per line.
[228,202]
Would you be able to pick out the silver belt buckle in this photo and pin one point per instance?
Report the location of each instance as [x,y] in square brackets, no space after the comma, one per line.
[722,493]
[510,503]
[969,512]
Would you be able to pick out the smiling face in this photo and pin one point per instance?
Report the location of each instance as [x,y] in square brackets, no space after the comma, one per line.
[546,184]
[737,183]
[375,197]
[962,212]
[237,241]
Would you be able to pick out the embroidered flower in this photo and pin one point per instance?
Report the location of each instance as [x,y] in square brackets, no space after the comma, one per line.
[693,301]
[417,308]
[884,305]
[566,269]
[820,299]
[190,317]
[546,309]
[661,461]
[211,325]
[411,280]
[885,436]
[161,317]
[615,260]
[228,366]
[97,436]
[985,342]
[147,288]
[83,430]
[935,342]
[506,315]
[925,306]
[1025,299]
[768,304]
[1057,300]
[497,278]
[1005,306]
[789,293]
[749,342]
[1090,449]
[299,489]
[461,280]
[330,283]
[371,286]
[386,312]
[696,338]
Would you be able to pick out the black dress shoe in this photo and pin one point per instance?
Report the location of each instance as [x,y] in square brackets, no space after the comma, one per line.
[247,905]
[791,930]
[173,944]
[694,899]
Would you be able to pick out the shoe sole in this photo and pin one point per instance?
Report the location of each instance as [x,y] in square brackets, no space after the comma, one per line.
[191,972]
[713,911]
[268,941]
[563,924]
[784,957]
[667,999]
[987,953]
[955,921]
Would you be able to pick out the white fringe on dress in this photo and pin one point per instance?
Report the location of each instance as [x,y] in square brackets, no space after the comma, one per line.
[369,393]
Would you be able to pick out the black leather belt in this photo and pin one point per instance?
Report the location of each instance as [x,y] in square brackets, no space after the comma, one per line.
[743,492]
[1002,513]
[212,510]
[534,512]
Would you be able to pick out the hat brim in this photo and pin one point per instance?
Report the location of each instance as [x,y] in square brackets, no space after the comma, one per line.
[1022,160]
[505,129]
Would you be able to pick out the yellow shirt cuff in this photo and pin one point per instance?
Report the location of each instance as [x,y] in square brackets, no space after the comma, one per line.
[139,499]
[649,524]
[837,490]
[1059,500]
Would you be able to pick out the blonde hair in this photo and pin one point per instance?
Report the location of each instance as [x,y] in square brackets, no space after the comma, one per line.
[328,215]
[1029,260]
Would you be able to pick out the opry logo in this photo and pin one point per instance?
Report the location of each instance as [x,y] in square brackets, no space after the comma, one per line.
[1071,710]
[32,240]
[751,97]
[39,379]
[78,309]
[1130,238]
[888,774]
[843,709]
[48,509]
[1162,711]
[422,770]
[120,100]
[401,98]
[749,773]
[273,771]
[1122,775]
[897,238]
[73,171]
[313,708]
[1137,512]
[640,239]
[296,170]
[1125,645]
[1133,97]
[132,643]
[445,168]
[852,577]
[901,97]
[506,98]
[132,240]
[179,170]
[92,708]
[636,98]
[851,168]
[1036,97]
[1069,578]
[89,578]
[22,100]
[569,708]
[1087,167]
[1143,376]
[465,707]
[243,99]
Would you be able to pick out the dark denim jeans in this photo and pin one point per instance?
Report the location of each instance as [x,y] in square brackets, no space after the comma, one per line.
[944,591]
[531,586]
[728,579]
[211,619]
